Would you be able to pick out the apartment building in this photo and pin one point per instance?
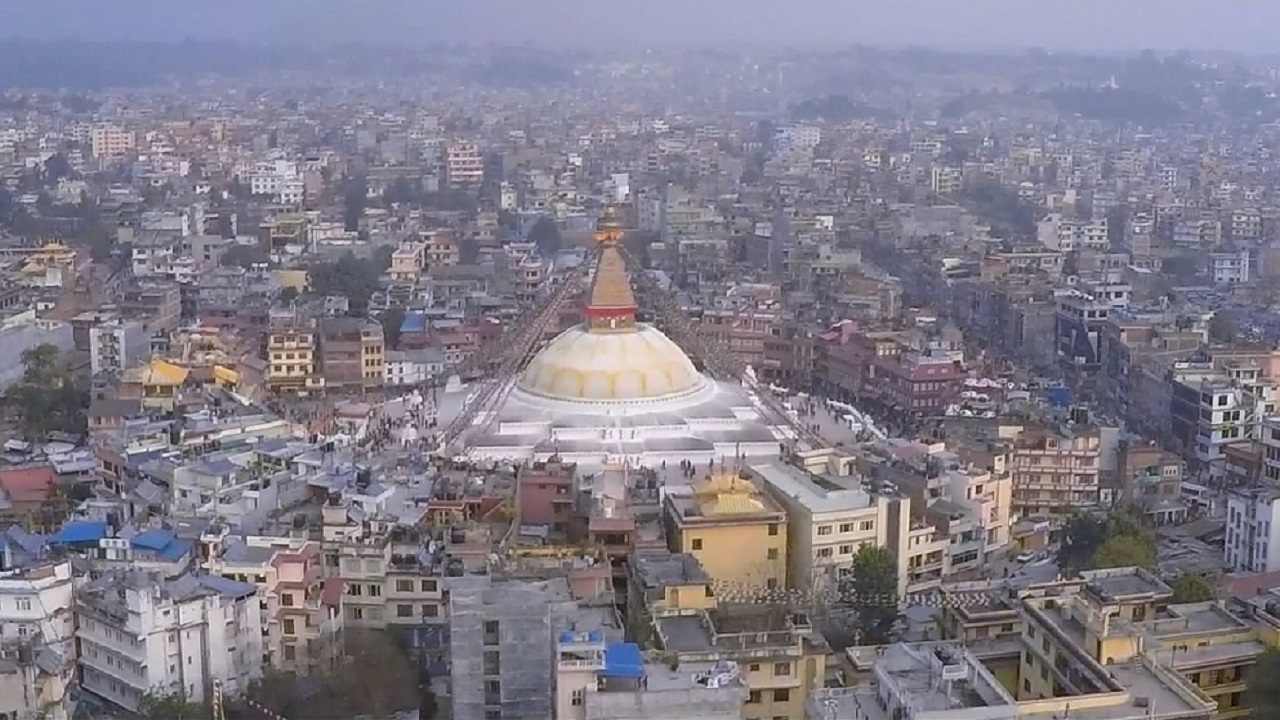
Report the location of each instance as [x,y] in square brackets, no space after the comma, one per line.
[1150,477]
[961,500]
[301,608]
[352,353]
[1217,403]
[292,349]
[37,629]
[111,142]
[1122,633]
[1055,470]
[1252,543]
[502,646]
[408,261]
[736,531]
[464,164]
[140,634]
[829,517]
[116,345]
[601,680]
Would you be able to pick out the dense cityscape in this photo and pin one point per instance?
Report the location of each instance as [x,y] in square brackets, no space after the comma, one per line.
[482,384]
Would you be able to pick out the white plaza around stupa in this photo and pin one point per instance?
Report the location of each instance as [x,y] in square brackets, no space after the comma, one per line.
[614,390]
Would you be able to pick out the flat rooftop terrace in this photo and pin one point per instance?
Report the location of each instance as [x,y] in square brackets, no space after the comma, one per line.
[859,703]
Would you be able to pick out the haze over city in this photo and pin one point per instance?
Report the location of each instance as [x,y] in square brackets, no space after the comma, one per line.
[676,360]
[1251,26]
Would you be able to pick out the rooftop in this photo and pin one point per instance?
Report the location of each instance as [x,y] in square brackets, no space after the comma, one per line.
[816,493]
[722,496]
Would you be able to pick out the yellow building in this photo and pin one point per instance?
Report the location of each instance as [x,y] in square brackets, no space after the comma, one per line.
[780,657]
[1120,623]
[291,354]
[156,383]
[408,261]
[737,533]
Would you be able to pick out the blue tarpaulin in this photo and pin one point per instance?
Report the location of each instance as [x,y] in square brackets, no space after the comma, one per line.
[79,531]
[623,660]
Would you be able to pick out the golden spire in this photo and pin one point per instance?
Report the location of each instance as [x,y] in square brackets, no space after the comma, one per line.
[611,306]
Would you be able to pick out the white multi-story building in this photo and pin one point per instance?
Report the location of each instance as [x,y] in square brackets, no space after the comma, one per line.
[464,164]
[1230,268]
[830,516]
[116,345]
[797,137]
[1215,406]
[37,630]
[1066,235]
[1253,530]
[142,635]
[111,142]
[279,179]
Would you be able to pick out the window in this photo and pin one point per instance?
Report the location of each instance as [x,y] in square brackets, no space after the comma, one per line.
[355,590]
[404,611]
[430,611]
[492,662]
[867,525]
[286,599]
[824,529]
[773,530]
[404,586]
[753,696]
[578,698]
[846,549]
[289,626]
[24,603]
[824,552]
[772,553]
[1026,685]
[357,613]
[782,669]
[753,667]
[696,543]
[375,590]
[490,627]
[428,586]
[846,527]
[783,695]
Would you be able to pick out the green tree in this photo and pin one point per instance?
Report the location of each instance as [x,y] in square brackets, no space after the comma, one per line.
[871,589]
[1223,328]
[57,167]
[1192,588]
[352,277]
[1122,551]
[377,678]
[45,399]
[170,706]
[391,321]
[545,235]
[288,295]
[1122,539]
[355,196]
[244,256]
[1263,691]
[1081,537]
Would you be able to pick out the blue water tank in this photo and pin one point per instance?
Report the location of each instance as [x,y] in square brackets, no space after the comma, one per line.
[595,636]
[1058,396]
[566,636]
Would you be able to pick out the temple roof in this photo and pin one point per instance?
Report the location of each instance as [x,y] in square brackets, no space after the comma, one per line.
[611,288]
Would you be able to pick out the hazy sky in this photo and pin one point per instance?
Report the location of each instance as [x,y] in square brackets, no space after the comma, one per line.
[1251,26]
